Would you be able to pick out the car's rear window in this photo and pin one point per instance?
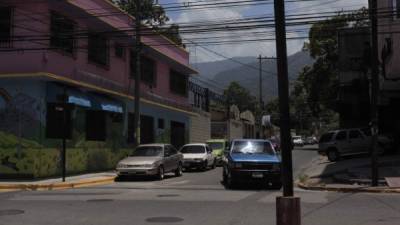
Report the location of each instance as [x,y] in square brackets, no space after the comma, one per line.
[216,145]
[193,149]
[253,147]
[326,137]
[367,131]
[147,151]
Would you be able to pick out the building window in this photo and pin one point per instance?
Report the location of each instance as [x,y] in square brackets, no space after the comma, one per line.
[119,50]
[161,124]
[62,33]
[5,26]
[396,8]
[98,49]
[178,83]
[95,125]
[148,69]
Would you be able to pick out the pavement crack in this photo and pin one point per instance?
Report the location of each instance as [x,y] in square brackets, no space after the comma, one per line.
[385,203]
[326,205]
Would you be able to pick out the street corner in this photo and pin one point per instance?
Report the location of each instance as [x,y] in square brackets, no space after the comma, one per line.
[8,190]
[346,188]
[341,182]
[344,176]
[7,187]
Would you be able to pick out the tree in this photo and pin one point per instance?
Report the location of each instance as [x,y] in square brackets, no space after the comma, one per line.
[172,33]
[320,81]
[235,94]
[154,17]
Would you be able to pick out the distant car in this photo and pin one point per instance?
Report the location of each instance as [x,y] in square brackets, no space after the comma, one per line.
[297,141]
[335,144]
[152,160]
[198,156]
[252,160]
[218,147]
[311,141]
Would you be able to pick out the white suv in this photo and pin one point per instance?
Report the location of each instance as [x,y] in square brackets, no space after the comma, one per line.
[198,156]
[350,141]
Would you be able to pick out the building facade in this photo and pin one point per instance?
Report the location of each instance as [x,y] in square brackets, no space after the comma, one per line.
[389,57]
[353,102]
[78,56]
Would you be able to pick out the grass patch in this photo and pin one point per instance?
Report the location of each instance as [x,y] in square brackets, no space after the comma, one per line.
[303,178]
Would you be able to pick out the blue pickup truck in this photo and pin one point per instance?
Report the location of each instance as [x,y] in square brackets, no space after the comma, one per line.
[251,160]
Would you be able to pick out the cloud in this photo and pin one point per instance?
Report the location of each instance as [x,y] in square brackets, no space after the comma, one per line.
[266,48]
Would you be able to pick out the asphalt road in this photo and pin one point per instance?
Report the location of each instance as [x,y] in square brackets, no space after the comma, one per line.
[195,198]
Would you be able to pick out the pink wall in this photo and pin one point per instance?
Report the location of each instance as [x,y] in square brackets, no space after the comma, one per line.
[389,28]
[34,20]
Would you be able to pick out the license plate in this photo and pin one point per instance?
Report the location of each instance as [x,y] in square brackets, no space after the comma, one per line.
[257,175]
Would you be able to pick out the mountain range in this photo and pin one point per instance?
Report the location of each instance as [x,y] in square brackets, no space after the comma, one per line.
[218,75]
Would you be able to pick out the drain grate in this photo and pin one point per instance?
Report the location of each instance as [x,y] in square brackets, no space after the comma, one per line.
[11,212]
[164,219]
[168,195]
[100,200]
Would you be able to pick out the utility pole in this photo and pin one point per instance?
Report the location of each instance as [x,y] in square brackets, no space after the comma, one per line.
[138,45]
[261,103]
[374,90]
[261,130]
[64,131]
[287,207]
[260,83]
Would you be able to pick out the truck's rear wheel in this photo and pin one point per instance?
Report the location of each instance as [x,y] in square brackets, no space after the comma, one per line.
[333,155]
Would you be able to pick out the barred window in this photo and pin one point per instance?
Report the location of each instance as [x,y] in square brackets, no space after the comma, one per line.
[98,49]
[5,26]
[178,83]
[62,33]
[148,69]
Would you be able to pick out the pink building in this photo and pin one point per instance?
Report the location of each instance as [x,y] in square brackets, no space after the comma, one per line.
[83,49]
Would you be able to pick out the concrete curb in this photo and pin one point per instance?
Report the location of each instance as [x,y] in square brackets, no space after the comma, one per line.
[58,185]
[347,189]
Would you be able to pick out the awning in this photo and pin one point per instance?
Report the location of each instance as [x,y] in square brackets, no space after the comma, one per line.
[74,96]
[106,104]
[78,98]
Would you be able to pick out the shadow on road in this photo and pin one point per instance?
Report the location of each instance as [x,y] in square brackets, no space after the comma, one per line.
[141,178]
[251,186]
[306,148]
[195,170]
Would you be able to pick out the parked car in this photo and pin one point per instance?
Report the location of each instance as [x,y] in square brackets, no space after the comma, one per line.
[198,156]
[218,146]
[311,141]
[335,144]
[298,141]
[152,160]
[252,160]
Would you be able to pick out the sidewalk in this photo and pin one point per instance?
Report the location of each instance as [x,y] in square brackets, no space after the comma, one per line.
[56,183]
[351,174]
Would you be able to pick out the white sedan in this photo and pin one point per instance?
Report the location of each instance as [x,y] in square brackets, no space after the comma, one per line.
[298,141]
[198,156]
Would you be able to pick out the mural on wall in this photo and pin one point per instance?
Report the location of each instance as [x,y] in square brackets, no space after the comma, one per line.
[26,152]
[19,116]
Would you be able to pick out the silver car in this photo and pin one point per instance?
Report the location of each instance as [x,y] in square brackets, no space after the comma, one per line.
[343,142]
[151,160]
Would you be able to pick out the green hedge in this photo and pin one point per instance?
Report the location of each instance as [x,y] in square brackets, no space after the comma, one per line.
[45,162]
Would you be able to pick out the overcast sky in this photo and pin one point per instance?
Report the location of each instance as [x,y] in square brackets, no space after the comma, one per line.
[265,48]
